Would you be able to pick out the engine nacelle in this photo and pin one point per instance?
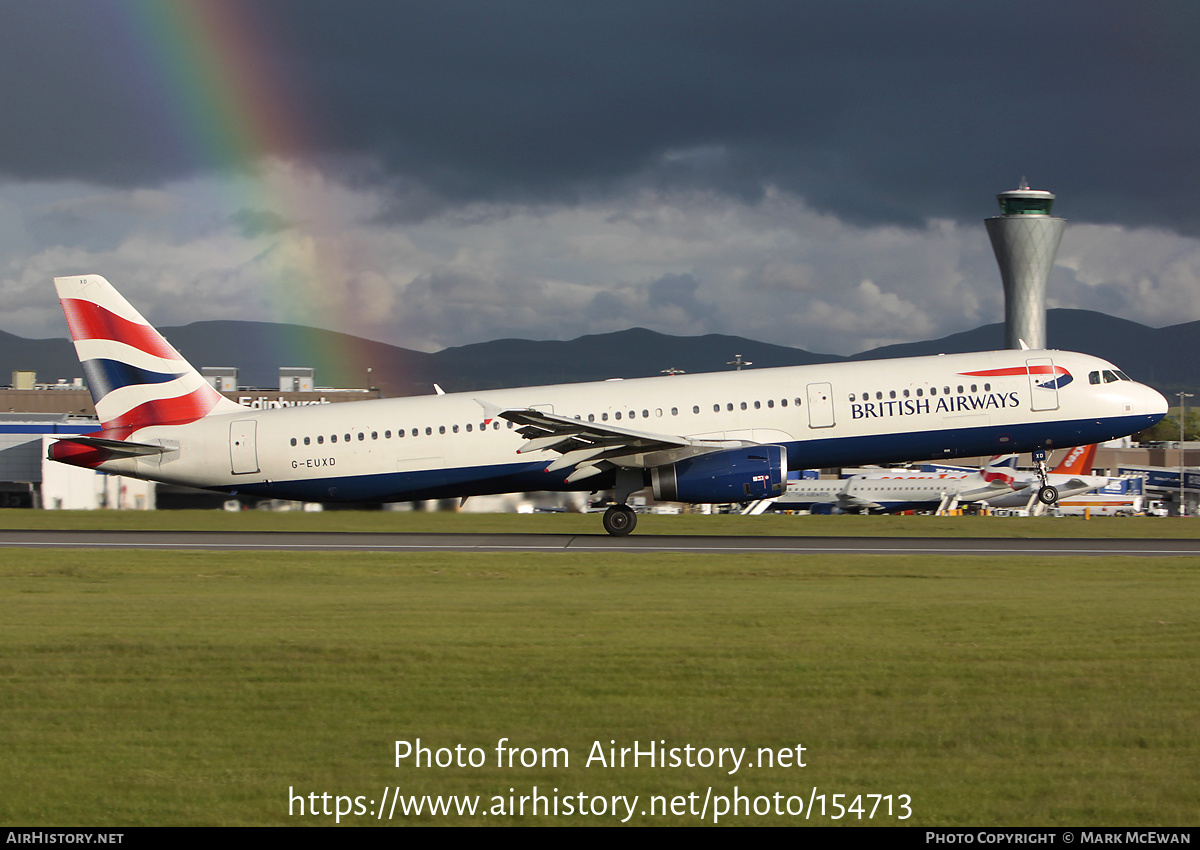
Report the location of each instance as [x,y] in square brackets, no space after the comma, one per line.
[733,475]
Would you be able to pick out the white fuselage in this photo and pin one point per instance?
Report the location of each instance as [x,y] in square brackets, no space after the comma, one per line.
[829,415]
[892,490]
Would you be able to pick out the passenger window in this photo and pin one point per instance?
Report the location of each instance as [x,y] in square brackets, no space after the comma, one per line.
[468,427]
[320,439]
[428,431]
[454,428]
[891,393]
[360,436]
[771,403]
[743,405]
[333,438]
[441,429]
[293,441]
[617,415]
[307,440]
[783,402]
[729,406]
[695,408]
[591,417]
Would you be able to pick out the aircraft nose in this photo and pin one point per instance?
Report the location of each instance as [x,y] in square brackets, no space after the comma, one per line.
[1156,402]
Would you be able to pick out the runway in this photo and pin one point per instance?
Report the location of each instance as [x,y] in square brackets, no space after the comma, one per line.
[233,541]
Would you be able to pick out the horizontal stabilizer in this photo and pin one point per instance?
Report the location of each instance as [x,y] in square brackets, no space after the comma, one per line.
[89,451]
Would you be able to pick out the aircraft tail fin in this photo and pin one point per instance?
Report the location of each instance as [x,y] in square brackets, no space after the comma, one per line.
[135,376]
[1000,469]
[1077,461]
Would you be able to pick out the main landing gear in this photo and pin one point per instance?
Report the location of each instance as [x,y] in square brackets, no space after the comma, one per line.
[1047,494]
[619,520]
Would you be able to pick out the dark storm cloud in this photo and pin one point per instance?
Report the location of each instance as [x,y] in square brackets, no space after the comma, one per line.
[875,111]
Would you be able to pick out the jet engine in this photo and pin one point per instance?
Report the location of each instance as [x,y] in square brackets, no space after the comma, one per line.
[733,475]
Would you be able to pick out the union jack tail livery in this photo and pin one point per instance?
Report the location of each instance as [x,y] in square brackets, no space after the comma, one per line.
[136,378]
[1000,468]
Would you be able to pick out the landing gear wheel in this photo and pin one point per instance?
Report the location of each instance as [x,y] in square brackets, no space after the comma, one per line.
[619,520]
[1048,495]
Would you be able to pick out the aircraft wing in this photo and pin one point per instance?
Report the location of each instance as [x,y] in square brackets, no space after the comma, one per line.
[848,501]
[988,491]
[589,448]
[1078,486]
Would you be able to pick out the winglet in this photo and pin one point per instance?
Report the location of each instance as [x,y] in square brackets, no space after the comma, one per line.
[490,411]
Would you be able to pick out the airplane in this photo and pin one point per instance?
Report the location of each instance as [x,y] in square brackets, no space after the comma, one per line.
[891,490]
[1070,478]
[701,438]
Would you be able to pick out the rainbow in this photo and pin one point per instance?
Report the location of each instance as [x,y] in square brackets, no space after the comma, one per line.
[217,101]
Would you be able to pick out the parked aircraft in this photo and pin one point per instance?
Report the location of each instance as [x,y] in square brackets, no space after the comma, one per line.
[702,438]
[890,490]
[1070,478]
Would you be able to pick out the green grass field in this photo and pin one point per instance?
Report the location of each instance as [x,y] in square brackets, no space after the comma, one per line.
[565,523]
[150,688]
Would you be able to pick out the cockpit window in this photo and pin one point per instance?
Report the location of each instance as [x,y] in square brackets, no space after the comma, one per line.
[1093,377]
[1123,376]
[1110,376]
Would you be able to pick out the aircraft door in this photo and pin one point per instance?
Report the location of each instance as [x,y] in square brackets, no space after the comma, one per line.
[820,406]
[1043,383]
[243,454]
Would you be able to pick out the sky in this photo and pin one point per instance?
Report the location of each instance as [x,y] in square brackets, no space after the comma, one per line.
[432,174]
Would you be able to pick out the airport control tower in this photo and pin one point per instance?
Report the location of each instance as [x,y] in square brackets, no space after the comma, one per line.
[1025,239]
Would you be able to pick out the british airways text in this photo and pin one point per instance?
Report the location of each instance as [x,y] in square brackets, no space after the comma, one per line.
[912,406]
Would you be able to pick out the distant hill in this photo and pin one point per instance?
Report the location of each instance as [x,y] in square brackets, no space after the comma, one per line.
[1166,358]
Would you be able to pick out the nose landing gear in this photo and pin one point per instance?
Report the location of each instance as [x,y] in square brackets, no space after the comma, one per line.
[1047,494]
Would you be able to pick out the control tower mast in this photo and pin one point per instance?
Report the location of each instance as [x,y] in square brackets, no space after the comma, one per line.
[1025,239]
